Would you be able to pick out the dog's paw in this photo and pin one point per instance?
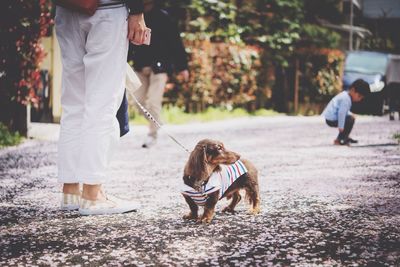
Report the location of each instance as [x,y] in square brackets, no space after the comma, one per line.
[205,220]
[190,216]
[255,211]
[228,209]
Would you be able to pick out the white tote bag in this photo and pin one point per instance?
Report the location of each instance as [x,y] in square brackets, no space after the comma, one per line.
[132,82]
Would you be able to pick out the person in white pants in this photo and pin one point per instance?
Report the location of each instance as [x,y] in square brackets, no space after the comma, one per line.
[94,52]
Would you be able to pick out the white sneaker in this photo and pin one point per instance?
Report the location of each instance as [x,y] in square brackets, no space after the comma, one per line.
[149,142]
[109,205]
[70,201]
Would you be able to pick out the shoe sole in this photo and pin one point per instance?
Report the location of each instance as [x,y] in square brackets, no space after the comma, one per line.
[69,208]
[347,144]
[87,212]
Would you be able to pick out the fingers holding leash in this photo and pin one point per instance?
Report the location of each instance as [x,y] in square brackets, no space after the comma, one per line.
[136,29]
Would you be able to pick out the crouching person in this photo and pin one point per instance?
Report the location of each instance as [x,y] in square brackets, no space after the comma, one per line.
[337,112]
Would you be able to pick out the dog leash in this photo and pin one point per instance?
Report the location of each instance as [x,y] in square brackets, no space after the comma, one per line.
[159,125]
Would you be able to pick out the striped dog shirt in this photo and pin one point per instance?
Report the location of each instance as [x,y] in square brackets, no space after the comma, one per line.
[219,180]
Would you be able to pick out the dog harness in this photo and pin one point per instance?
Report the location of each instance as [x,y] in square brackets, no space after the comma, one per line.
[219,180]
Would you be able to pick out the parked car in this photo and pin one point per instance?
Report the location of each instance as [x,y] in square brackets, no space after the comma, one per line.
[371,67]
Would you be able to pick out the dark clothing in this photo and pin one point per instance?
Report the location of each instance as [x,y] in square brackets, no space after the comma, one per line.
[135,6]
[123,117]
[394,97]
[166,52]
[348,126]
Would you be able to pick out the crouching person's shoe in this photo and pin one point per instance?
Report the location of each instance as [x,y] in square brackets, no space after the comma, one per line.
[352,141]
[108,205]
[341,142]
[70,201]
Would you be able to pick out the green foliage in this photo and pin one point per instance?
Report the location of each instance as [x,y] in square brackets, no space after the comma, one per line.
[279,27]
[397,137]
[23,23]
[328,10]
[220,75]
[321,70]
[274,25]
[318,36]
[7,138]
[175,115]
[377,43]
[214,20]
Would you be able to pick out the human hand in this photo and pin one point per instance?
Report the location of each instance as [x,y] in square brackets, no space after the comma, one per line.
[341,130]
[136,29]
[185,75]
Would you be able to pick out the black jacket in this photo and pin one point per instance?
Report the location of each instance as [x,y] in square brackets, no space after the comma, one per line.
[165,53]
[135,6]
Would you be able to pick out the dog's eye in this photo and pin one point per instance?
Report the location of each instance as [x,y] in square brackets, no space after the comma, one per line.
[213,150]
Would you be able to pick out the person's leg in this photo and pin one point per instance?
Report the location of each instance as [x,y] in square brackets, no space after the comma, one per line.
[392,101]
[154,99]
[397,98]
[72,98]
[332,123]
[142,91]
[91,191]
[348,126]
[105,68]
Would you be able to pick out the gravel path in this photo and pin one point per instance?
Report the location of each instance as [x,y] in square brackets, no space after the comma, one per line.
[321,204]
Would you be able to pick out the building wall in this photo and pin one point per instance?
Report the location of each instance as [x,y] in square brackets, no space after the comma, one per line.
[52,63]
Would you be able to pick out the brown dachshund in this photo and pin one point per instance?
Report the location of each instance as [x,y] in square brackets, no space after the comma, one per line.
[212,173]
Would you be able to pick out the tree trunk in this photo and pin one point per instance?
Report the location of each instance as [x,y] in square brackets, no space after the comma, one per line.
[296,85]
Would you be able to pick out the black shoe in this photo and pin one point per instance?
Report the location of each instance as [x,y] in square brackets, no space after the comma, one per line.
[352,141]
[149,142]
[391,117]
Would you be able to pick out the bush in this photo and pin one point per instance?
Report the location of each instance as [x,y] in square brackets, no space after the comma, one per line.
[7,138]
[175,115]
[321,74]
[23,24]
[396,136]
[221,74]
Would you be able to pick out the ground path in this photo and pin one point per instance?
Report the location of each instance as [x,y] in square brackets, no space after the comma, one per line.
[321,204]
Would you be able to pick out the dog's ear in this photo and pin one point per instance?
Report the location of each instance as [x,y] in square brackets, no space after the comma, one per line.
[187,180]
[205,154]
[197,162]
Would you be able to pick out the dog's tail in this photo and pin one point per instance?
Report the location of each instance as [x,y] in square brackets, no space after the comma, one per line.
[252,196]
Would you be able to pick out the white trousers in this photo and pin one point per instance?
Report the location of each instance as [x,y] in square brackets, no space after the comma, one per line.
[150,94]
[94,53]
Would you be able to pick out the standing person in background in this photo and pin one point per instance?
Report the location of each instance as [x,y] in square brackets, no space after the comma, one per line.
[393,85]
[94,51]
[155,62]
